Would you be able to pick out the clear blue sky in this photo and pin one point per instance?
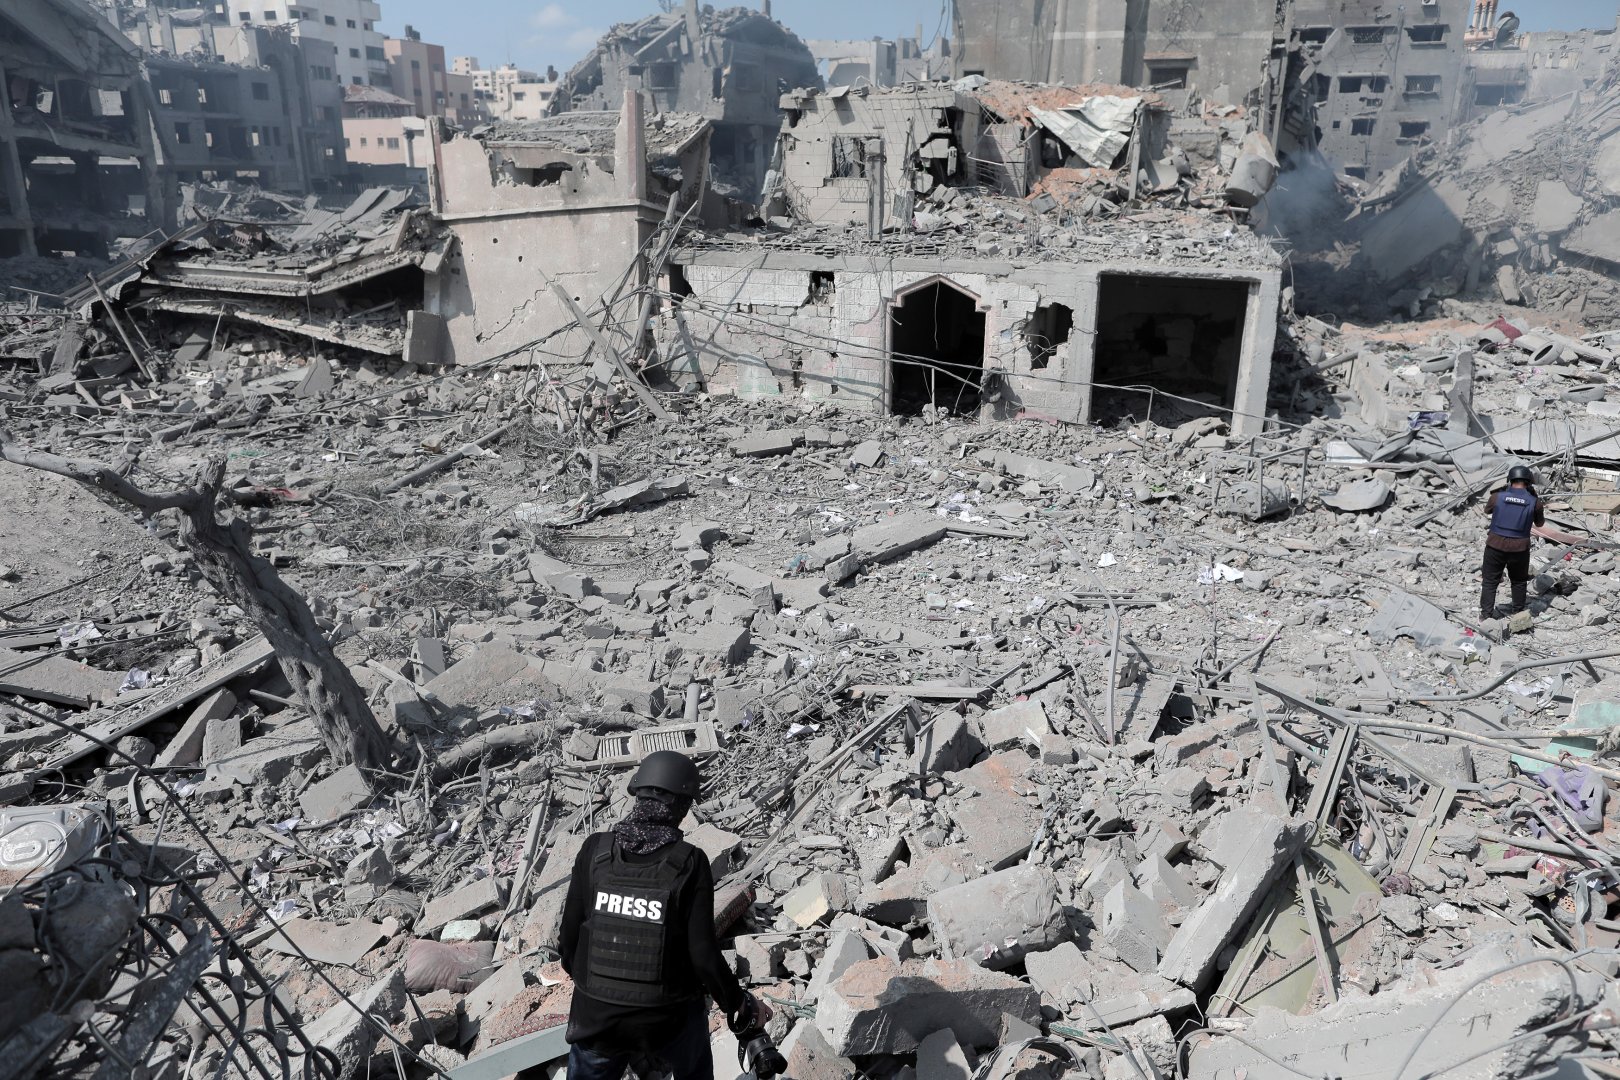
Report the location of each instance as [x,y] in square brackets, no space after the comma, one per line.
[534,33]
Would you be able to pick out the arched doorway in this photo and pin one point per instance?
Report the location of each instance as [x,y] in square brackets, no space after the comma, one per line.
[936,350]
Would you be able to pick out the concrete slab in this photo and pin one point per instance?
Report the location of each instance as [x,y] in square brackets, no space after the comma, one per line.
[883,1006]
[998,919]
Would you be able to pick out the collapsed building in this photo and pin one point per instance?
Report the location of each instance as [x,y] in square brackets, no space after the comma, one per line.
[77,164]
[730,66]
[902,282]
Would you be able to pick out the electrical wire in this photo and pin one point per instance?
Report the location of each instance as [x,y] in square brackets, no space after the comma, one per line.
[173,799]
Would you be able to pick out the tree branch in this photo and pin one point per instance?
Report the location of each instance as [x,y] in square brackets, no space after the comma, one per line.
[103,478]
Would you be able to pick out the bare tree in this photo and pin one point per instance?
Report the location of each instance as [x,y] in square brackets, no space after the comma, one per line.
[226,561]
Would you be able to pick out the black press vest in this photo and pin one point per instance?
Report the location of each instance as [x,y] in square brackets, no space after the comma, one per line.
[633,942]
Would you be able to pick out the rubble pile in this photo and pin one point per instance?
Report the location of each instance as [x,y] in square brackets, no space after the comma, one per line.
[1045,749]
[1516,209]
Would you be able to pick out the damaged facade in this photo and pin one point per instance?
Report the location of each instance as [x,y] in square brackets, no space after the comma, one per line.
[729,66]
[77,163]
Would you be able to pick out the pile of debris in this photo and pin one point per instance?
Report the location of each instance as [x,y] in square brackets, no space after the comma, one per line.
[1032,749]
[1519,208]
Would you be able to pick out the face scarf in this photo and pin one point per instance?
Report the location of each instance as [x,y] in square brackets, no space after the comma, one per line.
[651,824]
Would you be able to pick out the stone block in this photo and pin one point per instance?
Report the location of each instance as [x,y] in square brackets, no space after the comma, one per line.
[764,444]
[883,1006]
[809,1057]
[817,900]
[948,745]
[1252,847]
[1133,926]
[845,949]
[222,739]
[1000,825]
[272,755]
[730,644]
[186,748]
[898,536]
[903,897]
[997,919]
[345,1029]
[473,899]
[1019,724]
[941,1057]
[331,798]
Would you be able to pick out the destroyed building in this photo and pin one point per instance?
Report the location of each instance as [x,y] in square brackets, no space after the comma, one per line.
[1387,79]
[77,164]
[730,66]
[1537,67]
[903,285]
[1219,47]
[237,101]
[881,63]
[1070,595]
[551,213]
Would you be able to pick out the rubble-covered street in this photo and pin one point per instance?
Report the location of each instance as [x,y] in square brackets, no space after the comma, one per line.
[1073,609]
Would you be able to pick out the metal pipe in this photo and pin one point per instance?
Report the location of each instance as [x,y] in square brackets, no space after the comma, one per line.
[1508,674]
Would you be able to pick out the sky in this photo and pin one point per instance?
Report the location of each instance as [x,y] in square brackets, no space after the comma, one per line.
[535,33]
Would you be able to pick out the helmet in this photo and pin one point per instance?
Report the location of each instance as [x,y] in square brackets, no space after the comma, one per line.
[1521,472]
[668,771]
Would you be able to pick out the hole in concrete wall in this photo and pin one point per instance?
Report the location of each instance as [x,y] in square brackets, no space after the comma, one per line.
[679,286]
[823,286]
[544,176]
[1051,326]
[936,344]
[1180,335]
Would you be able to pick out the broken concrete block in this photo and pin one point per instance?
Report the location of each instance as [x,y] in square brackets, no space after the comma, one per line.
[868,455]
[186,748]
[272,755]
[897,536]
[1070,478]
[816,900]
[1059,973]
[330,799]
[764,444]
[717,844]
[903,897]
[941,1057]
[1020,724]
[222,738]
[730,644]
[1164,884]
[1252,847]
[472,899]
[845,949]
[1444,1021]
[810,1058]
[1000,825]
[995,920]
[347,1031]
[949,744]
[697,536]
[882,1006]
[1133,927]
[550,890]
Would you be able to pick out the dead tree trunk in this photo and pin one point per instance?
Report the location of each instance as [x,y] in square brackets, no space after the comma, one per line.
[226,561]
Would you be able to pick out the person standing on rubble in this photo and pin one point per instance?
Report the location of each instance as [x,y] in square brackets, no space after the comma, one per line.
[1514,511]
[638,940]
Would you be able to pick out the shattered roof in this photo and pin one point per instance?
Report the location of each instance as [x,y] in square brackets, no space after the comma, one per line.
[1016,101]
[371,95]
[594,132]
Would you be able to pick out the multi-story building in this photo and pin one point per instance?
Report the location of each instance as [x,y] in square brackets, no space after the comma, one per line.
[383,137]
[77,162]
[1208,44]
[416,72]
[1386,76]
[237,100]
[507,92]
[1515,68]
[350,26]
[878,63]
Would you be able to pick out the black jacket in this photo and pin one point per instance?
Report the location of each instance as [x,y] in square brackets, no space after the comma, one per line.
[601,1025]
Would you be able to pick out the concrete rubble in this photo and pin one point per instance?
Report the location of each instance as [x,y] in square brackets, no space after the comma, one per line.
[1153,733]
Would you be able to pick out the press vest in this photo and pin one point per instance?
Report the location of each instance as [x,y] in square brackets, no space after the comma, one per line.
[630,956]
[1515,514]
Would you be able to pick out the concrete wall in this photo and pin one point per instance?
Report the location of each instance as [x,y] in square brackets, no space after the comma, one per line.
[761,329]
[1383,91]
[821,130]
[521,220]
[1135,42]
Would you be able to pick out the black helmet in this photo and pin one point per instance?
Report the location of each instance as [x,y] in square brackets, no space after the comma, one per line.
[1521,472]
[668,771]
